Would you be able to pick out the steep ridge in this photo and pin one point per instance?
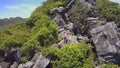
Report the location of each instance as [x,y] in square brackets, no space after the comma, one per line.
[103,35]
[78,21]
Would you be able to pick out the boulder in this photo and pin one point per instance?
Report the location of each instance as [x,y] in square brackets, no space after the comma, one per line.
[34,59]
[20,66]
[28,64]
[4,65]
[82,38]
[72,39]
[41,62]
[59,20]
[12,54]
[70,26]
[14,65]
[106,40]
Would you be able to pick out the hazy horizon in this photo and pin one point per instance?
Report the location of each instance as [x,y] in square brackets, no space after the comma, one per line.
[15,8]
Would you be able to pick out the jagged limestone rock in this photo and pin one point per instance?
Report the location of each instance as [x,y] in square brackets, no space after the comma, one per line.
[14,65]
[41,62]
[4,65]
[34,59]
[12,54]
[28,64]
[107,42]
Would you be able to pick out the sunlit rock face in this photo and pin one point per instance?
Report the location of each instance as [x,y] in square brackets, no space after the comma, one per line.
[107,42]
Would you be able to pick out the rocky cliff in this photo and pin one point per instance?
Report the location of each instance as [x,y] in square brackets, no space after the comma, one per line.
[91,28]
[103,35]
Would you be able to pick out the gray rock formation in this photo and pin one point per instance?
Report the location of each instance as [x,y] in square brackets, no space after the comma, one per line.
[14,65]
[41,62]
[60,16]
[20,66]
[107,42]
[12,54]
[28,64]
[4,65]
[34,59]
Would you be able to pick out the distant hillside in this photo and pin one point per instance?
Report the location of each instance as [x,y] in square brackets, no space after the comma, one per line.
[7,21]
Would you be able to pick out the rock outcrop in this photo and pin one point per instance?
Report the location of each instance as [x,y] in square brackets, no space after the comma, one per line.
[38,61]
[41,62]
[12,54]
[4,65]
[104,36]
[106,40]
[60,16]
[28,64]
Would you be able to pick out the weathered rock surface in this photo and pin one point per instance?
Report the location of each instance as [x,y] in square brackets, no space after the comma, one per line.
[41,62]
[105,36]
[34,59]
[20,66]
[28,64]
[13,54]
[14,65]
[4,65]
[107,42]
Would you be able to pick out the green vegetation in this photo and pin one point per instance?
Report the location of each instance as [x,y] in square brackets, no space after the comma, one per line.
[109,10]
[71,56]
[110,65]
[77,15]
[39,32]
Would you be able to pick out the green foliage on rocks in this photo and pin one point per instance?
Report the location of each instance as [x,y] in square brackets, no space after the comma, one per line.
[71,56]
[38,30]
[109,10]
[110,65]
[77,14]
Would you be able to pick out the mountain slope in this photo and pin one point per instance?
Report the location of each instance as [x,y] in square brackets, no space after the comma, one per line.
[63,34]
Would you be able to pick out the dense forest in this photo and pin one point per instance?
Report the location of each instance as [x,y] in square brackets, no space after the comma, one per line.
[40,33]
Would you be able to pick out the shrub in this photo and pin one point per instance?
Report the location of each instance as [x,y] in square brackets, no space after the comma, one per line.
[28,50]
[110,65]
[77,14]
[109,10]
[71,56]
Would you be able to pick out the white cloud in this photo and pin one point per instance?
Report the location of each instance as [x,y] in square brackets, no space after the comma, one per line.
[118,1]
[22,7]
[12,7]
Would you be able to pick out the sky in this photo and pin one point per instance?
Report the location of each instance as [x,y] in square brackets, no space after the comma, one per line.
[21,8]
[116,1]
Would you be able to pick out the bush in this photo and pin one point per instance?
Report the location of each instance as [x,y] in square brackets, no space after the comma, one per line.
[109,10]
[110,65]
[28,50]
[71,56]
[77,14]
[13,36]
